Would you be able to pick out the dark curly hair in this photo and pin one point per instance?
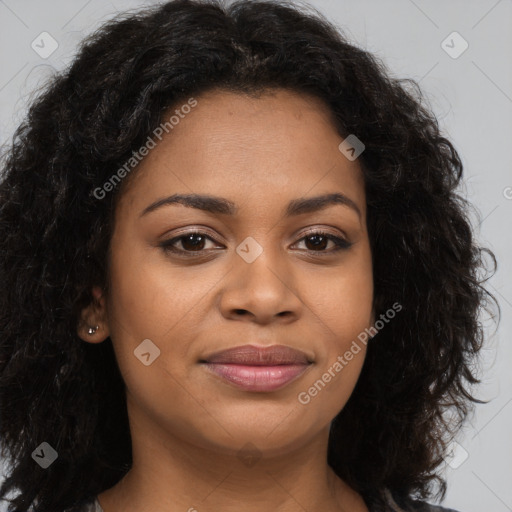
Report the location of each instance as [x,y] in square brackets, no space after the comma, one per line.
[55,236]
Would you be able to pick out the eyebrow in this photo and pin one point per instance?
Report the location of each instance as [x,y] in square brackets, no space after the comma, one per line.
[219,205]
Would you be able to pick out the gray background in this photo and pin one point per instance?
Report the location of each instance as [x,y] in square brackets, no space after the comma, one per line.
[472,98]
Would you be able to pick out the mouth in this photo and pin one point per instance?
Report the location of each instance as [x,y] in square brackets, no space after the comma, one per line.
[262,369]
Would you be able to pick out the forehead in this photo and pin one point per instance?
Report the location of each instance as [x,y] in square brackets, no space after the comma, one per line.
[277,144]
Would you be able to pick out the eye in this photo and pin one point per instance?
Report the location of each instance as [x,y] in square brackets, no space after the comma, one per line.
[194,242]
[319,240]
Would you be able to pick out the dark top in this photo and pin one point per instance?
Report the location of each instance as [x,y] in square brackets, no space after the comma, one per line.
[383,501]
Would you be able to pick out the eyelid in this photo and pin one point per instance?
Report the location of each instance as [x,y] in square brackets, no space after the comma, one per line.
[315,230]
[203,230]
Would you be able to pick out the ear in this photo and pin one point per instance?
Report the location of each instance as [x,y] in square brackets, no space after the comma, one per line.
[92,316]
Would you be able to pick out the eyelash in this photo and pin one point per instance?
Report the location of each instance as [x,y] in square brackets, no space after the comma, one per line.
[167,245]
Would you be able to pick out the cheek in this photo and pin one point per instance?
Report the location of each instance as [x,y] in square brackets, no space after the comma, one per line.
[342,299]
[151,299]
[145,304]
[343,311]
[147,300]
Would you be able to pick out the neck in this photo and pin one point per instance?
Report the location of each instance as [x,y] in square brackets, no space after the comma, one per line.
[171,474]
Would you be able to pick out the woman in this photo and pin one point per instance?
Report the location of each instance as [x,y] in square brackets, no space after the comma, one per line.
[236,274]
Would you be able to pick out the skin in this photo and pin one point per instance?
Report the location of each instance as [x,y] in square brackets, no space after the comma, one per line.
[187,425]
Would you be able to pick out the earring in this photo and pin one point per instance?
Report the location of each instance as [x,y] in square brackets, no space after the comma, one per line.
[92,330]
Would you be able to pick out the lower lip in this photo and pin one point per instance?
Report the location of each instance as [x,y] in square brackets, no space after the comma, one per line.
[258,378]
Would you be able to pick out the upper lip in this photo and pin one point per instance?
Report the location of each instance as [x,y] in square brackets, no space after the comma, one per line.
[259,356]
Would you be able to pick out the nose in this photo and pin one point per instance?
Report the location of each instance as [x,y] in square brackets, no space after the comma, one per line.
[261,291]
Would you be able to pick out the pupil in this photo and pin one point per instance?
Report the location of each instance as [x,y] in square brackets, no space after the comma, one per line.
[194,245]
[317,243]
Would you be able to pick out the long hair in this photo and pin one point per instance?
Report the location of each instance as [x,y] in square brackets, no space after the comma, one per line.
[55,235]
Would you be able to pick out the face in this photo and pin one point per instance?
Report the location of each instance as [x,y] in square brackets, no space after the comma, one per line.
[259,275]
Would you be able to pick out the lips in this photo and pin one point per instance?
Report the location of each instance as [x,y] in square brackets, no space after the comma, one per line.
[259,356]
[261,369]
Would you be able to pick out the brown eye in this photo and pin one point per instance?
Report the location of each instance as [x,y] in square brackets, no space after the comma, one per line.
[318,242]
[190,242]
[194,242]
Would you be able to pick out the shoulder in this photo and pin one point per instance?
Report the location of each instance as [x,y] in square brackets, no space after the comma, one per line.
[392,502]
[87,505]
[422,506]
[84,505]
